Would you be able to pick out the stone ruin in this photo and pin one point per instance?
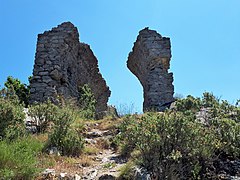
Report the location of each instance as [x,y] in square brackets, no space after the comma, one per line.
[63,64]
[149,61]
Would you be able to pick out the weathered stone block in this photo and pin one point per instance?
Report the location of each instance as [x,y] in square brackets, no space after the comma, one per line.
[46,79]
[43,73]
[55,75]
[39,61]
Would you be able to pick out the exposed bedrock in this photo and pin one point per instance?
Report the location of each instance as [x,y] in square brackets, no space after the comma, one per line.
[149,61]
[63,64]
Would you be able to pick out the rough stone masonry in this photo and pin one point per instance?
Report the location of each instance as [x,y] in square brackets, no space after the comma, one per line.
[150,61]
[63,64]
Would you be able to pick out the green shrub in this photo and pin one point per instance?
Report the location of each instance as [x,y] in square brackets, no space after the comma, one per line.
[87,102]
[43,114]
[228,135]
[65,134]
[187,104]
[127,171]
[64,137]
[169,142]
[209,100]
[216,108]
[11,115]
[21,90]
[18,159]
[174,144]
[129,133]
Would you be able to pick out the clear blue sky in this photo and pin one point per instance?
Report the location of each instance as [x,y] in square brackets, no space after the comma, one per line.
[205,37]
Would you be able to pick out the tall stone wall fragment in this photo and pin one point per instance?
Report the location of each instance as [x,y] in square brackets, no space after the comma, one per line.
[63,64]
[149,61]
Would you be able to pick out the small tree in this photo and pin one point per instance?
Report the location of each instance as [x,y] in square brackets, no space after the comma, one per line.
[11,115]
[21,90]
[87,102]
[64,137]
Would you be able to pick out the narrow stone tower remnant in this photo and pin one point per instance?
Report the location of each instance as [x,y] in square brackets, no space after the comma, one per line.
[149,61]
[63,64]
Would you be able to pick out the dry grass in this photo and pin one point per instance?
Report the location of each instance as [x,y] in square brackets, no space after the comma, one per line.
[41,137]
[85,161]
[46,161]
[135,154]
[108,124]
[109,165]
[78,125]
[65,164]
[90,150]
[104,124]
[126,171]
[103,143]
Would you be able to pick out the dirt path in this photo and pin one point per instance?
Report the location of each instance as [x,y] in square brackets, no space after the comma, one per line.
[106,162]
[98,160]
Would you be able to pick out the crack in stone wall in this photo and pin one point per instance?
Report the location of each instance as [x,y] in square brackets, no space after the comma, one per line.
[149,61]
[63,64]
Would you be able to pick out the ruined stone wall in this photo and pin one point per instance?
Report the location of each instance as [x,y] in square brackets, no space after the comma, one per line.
[62,64]
[150,61]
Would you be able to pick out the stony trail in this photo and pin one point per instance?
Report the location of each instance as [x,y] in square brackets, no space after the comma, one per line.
[100,161]
[107,162]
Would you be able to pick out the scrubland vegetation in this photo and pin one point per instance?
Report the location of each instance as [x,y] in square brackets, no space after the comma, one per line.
[185,142]
[178,144]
